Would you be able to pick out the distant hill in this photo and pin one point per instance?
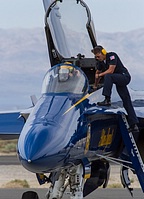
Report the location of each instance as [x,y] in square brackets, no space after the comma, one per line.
[24,60]
[23,63]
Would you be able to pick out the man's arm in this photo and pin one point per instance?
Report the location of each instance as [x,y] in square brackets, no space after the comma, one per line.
[97,79]
[98,75]
[110,70]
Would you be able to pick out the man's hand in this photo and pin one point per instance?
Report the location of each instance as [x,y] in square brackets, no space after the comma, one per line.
[96,75]
[94,88]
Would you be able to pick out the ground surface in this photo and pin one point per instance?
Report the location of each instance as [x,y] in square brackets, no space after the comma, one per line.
[12,172]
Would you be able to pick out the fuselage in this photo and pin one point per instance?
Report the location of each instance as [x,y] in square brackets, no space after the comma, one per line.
[49,130]
[58,131]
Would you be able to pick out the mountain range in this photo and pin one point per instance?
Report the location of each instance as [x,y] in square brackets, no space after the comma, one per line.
[24,61]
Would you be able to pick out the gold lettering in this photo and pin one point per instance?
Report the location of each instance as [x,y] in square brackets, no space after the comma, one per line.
[106,139]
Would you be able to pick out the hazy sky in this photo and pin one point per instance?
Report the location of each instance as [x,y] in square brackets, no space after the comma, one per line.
[108,15]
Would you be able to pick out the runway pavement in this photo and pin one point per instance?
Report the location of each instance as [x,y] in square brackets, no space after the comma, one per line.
[11,169]
[99,194]
[9,160]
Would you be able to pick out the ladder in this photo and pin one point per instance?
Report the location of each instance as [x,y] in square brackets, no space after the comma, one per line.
[132,149]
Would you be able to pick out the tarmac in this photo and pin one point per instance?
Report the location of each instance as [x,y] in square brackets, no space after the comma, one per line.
[17,172]
[98,194]
[10,169]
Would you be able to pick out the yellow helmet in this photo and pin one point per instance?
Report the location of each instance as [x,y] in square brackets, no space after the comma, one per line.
[67,66]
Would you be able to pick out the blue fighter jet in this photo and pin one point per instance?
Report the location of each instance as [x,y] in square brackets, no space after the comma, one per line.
[65,138]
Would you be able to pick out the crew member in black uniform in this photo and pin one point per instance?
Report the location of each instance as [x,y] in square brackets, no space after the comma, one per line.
[112,69]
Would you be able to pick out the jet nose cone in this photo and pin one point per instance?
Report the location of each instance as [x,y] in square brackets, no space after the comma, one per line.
[42,149]
[40,141]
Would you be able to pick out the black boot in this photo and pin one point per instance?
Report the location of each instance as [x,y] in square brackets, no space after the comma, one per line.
[106,102]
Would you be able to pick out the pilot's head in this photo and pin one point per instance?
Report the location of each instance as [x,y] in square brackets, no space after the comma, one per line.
[65,71]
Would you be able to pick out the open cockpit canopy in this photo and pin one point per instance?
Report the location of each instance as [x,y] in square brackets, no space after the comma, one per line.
[70,34]
[70,24]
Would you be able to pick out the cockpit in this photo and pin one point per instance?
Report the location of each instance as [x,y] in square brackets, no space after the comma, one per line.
[65,78]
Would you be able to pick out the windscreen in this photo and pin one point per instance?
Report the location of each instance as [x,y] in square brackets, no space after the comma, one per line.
[65,78]
[67,21]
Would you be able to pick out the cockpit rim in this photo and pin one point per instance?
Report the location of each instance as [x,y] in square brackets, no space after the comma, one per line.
[87,86]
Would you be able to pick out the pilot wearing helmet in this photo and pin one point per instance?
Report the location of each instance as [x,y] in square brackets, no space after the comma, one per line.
[67,71]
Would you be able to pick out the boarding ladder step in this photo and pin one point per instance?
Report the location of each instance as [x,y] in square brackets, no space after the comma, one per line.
[132,149]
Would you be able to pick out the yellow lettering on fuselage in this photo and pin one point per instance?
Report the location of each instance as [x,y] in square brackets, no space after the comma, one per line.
[106,138]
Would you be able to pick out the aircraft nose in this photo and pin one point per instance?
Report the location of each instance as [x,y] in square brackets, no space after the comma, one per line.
[41,142]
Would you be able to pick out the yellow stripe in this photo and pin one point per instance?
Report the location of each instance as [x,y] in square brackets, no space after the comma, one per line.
[82,99]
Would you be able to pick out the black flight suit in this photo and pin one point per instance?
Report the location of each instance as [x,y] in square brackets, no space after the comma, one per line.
[121,78]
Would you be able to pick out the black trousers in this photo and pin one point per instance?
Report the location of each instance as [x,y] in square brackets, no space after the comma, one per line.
[121,81]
